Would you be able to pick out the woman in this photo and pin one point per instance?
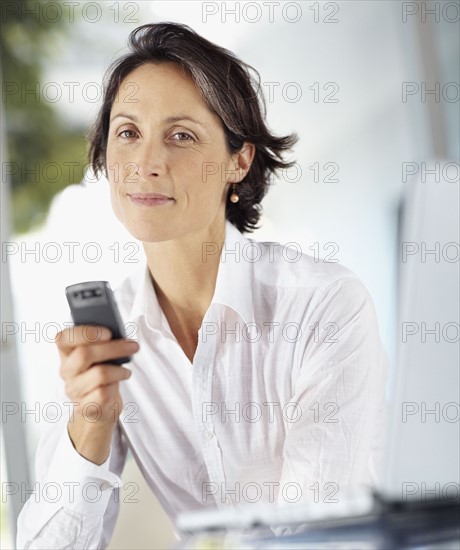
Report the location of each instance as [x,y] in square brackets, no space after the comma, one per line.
[256,378]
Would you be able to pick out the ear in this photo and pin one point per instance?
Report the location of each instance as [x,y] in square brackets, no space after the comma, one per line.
[242,161]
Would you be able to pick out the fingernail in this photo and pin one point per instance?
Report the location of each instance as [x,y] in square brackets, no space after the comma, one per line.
[106,334]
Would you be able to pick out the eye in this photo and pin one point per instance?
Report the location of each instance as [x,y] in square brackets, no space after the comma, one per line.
[127,134]
[183,136]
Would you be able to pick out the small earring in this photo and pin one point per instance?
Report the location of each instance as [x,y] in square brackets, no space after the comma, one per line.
[234,197]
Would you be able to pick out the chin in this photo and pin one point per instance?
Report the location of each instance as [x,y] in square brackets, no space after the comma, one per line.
[143,228]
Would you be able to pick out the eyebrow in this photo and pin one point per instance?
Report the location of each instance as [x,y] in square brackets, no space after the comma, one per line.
[167,120]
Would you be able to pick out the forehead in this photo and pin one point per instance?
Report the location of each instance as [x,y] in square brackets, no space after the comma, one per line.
[159,85]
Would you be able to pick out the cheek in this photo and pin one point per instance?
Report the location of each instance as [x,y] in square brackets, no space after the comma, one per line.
[207,174]
[113,177]
[108,152]
[116,169]
[115,202]
[204,185]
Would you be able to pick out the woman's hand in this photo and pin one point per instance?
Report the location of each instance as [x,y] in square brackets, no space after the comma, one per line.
[92,387]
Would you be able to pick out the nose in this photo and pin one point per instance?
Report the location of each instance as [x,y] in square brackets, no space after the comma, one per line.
[151,159]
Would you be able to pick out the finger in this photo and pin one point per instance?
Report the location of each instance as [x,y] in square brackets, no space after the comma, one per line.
[107,396]
[79,335]
[81,358]
[98,376]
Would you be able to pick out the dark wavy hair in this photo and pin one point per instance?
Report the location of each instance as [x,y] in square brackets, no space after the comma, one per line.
[228,88]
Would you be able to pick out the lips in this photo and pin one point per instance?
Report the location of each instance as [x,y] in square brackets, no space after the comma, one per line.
[145,196]
[150,199]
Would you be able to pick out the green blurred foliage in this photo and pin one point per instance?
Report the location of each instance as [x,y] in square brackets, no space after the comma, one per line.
[44,155]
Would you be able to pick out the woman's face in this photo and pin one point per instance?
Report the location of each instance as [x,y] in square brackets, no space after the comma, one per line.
[163,139]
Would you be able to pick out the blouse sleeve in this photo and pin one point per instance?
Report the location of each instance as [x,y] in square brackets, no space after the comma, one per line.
[74,503]
[334,436]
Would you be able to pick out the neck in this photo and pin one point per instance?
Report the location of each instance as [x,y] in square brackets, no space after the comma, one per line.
[184,275]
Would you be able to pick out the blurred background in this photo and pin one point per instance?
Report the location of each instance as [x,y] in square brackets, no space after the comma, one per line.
[371,88]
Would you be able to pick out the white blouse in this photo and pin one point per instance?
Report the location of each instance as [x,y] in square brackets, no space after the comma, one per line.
[283,402]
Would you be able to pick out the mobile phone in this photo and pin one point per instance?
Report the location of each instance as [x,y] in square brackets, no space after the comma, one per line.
[93,303]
